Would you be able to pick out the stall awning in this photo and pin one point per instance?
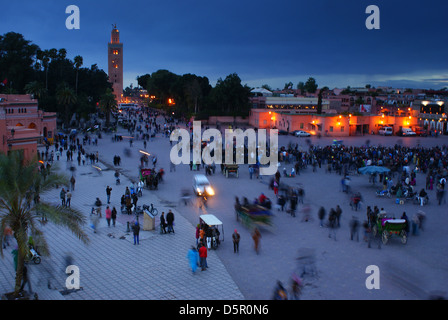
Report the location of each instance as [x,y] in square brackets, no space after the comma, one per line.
[210,220]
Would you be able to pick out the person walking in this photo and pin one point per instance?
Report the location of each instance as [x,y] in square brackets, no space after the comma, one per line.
[68,198]
[236,241]
[193,259]
[114,215]
[62,196]
[332,224]
[72,183]
[354,226]
[108,215]
[203,257]
[321,216]
[136,232]
[170,221]
[256,235]
[108,191]
[338,215]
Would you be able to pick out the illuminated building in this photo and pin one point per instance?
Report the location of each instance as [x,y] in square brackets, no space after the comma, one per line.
[23,126]
[115,63]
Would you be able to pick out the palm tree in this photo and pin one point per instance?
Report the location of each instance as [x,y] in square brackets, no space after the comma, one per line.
[35,88]
[20,186]
[78,63]
[66,97]
[108,104]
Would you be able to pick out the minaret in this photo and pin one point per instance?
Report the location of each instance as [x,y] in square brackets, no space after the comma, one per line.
[115,63]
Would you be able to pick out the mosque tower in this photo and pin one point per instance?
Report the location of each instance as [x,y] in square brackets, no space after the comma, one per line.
[115,63]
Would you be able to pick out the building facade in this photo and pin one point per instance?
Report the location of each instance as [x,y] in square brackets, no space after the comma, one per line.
[23,126]
[115,63]
[333,125]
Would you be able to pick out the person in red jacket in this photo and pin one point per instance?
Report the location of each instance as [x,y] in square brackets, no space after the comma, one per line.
[203,256]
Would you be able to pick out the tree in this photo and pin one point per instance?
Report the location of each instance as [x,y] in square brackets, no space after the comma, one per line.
[267,87]
[230,97]
[288,86]
[310,85]
[21,208]
[78,63]
[35,88]
[108,104]
[66,97]
[17,60]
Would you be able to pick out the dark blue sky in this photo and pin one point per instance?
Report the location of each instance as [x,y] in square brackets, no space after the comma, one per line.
[264,42]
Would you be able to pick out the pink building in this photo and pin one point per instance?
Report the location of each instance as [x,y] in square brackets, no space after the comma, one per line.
[23,126]
[333,125]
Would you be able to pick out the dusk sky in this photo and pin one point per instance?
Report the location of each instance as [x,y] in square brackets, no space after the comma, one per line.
[263,41]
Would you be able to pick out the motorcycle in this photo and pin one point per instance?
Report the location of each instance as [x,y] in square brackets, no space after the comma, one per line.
[34,256]
[383,193]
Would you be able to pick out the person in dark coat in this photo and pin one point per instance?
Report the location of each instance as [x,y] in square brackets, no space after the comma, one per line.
[321,216]
[170,221]
[136,232]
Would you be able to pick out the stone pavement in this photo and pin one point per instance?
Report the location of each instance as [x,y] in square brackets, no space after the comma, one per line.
[111,266]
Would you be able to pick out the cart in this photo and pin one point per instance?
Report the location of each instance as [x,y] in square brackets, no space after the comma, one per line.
[230,168]
[387,227]
[212,222]
[254,215]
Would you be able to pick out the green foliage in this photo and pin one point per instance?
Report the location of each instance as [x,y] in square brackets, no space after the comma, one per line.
[21,208]
[32,70]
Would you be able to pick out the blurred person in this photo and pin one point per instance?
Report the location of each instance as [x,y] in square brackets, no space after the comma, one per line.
[354,226]
[193,259]
[236,241]
[256,236]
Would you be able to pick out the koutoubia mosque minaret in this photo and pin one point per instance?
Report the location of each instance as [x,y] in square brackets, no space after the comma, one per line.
[115,63]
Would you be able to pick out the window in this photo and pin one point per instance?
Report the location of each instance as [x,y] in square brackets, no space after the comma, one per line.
[301,125]
[331,128]
[342,128]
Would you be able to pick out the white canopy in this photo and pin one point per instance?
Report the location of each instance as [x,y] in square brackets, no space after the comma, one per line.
[210,219]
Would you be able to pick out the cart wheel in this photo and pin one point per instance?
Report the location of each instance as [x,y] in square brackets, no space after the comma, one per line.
[155,212]
[384,237]
[37,260]
[404,237]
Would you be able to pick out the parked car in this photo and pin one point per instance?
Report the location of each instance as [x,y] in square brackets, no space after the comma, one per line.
[386,131]
[301,133]
[420,132]
[283,132]
[407,132]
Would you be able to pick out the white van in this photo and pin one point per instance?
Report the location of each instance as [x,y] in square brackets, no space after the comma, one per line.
[407,132]
[386,131]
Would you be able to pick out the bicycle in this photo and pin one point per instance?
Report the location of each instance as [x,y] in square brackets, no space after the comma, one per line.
[153,211]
